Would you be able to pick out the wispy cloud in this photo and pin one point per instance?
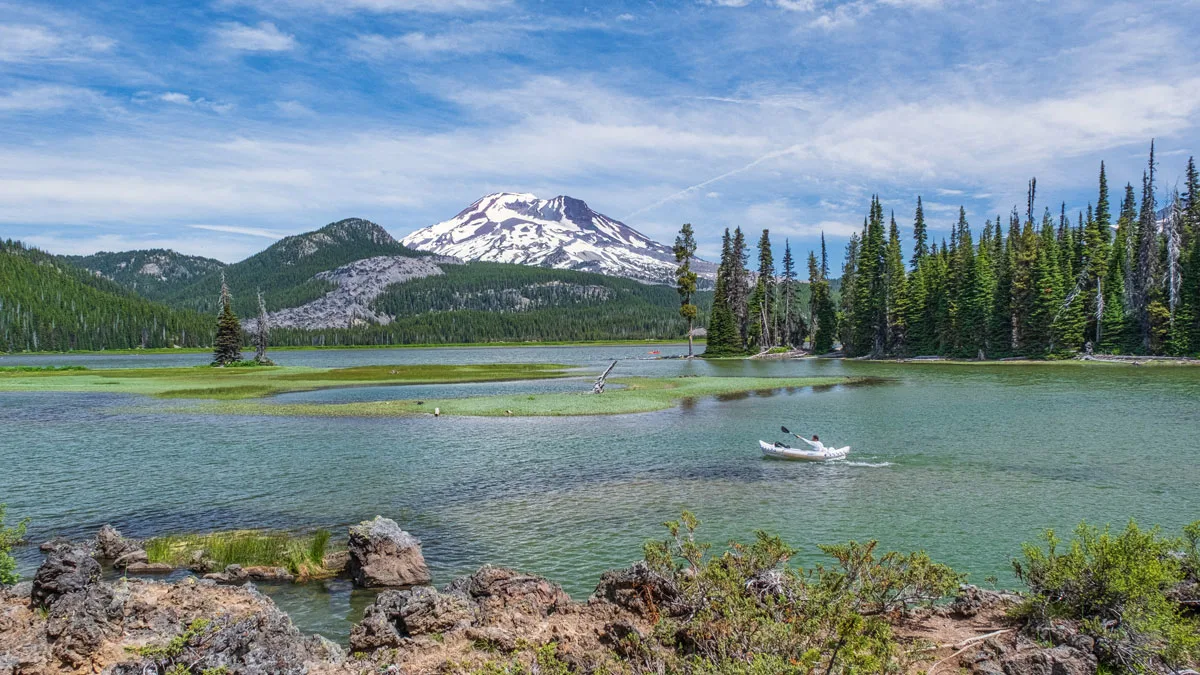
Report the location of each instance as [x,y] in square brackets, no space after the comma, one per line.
[265,37]
[376,6]
[20,43]
[46,98]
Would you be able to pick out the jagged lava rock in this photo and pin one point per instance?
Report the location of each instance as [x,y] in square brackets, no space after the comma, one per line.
[384,556]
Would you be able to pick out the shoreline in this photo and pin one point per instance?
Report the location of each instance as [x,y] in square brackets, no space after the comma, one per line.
[454,345]
[681,607]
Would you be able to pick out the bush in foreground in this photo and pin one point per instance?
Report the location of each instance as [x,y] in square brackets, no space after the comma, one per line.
[9,537]
[747,611]
[1118,588]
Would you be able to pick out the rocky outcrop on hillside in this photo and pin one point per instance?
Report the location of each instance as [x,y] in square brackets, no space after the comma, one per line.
[358,284]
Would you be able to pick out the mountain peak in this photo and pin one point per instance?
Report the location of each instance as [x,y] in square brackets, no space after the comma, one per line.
[562,232]
[349,229]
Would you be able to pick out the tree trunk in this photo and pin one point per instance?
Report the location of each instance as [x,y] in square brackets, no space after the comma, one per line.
[690,353]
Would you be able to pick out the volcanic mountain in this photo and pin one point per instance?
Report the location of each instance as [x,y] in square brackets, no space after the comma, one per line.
[561,233]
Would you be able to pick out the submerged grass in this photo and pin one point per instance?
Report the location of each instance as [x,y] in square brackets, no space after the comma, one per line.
[302,555]
[638,394]
[242,383]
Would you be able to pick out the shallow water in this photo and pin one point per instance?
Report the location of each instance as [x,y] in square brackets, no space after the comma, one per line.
[964,461]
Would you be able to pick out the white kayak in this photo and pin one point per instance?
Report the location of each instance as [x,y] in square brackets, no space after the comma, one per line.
[785,452]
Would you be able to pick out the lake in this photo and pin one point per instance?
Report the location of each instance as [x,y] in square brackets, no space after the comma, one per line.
[964,461]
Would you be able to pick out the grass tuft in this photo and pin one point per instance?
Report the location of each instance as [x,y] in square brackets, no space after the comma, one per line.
[302,555]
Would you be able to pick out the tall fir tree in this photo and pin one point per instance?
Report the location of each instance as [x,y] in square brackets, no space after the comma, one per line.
[759,330]
[686,278]
[739,284]
[227,347]
[849,286]
[896,292]
[793,335]
[723,338]
[1147,306]
[920,236]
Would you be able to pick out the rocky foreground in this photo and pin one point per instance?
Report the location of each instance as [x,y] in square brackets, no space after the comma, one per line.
[498,620]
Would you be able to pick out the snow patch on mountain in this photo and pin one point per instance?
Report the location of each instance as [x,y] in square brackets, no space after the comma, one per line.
[562,233]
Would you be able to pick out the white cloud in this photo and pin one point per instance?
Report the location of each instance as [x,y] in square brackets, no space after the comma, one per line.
[423,44]
[293,109]
[375,6]
[25,42]
[625,17]
[183,100]
[265,37]
[726,3]
[46,98]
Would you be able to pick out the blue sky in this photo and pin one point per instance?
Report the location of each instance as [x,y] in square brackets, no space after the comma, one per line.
[213,127]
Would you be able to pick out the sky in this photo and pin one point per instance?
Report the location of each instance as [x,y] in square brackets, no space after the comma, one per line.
[214,127]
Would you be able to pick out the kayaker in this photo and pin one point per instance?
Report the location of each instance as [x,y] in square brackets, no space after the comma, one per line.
[815,443]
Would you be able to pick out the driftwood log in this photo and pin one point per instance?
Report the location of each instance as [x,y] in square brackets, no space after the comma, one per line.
[598,388]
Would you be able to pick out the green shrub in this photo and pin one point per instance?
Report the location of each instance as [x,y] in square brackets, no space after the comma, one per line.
[9,537]
[1116,587]
[747,611]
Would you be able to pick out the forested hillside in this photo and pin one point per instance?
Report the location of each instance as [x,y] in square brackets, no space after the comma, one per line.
[493,302]
[152,273]
[49,305]
[285,270]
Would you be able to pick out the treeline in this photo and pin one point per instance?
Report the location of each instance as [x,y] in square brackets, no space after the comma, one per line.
[1046,286]
[1054,287]
[49,305]
[763,310]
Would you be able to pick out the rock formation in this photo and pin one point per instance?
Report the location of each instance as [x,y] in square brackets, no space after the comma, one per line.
[384,556]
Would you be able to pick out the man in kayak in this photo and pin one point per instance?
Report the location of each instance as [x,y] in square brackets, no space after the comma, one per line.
[815,443]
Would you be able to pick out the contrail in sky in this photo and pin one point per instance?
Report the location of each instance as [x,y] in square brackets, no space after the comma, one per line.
[700,186]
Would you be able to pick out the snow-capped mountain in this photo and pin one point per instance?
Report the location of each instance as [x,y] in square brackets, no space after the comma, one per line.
[561,233]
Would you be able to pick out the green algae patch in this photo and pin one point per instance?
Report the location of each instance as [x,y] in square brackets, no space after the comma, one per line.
[636,395]
[205,382]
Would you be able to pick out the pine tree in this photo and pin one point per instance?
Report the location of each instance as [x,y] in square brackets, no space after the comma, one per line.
[1047,292]
[760,300]
[869,322]
[896,297]
[227,348]
[1024,295]
[1147,306]
[824,258]
[723,339]
[1189,312]
[685,278]
[821,310]
[739,285]
[920,237]
[792,334]
[849,291]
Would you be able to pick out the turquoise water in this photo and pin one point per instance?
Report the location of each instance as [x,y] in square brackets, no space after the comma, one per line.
[964,461]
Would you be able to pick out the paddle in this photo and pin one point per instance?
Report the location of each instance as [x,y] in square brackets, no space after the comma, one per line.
[785,430]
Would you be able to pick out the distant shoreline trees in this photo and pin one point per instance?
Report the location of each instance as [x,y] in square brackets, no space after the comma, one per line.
[1050,287]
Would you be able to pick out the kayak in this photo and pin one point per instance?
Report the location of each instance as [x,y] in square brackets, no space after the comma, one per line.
[780,451]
